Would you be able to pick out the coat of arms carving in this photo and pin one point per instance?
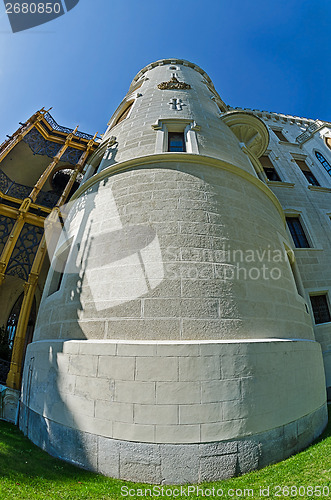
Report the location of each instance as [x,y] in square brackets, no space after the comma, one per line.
[173,84]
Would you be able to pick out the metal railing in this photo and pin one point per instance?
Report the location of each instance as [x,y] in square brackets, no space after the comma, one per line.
[11,188]
[55,126]
[309,132]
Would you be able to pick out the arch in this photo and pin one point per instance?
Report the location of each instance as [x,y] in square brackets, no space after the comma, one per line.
[323,162]
[13,321]
[7,335]
[123,113]
[136,85]
[60,179]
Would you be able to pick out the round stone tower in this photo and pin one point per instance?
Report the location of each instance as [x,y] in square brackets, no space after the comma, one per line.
[173,343]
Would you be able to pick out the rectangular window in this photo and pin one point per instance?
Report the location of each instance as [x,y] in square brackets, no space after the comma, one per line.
[269,169]
[320,308]
[176,142]
[280,135]
[307,173]
[297,232]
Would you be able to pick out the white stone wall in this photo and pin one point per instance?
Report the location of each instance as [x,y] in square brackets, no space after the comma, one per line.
[313,204]
[174,392]
[171,342]
[161,260]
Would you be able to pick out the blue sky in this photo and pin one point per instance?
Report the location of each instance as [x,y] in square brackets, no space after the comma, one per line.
[260,54]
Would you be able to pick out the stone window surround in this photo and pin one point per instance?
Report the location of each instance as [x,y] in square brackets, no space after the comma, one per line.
[301,215]
[136,86]
[278,165]
[323,172]
[62,254]
[129,102]
[319,291]
[124,112]
[188,127]
[310,166]
[288,140]
[281,131]
[271,166]
[293,266]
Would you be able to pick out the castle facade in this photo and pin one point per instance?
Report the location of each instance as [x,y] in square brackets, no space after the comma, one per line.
[184,330]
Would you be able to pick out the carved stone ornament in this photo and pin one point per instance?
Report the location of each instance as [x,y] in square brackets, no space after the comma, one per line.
[173,84]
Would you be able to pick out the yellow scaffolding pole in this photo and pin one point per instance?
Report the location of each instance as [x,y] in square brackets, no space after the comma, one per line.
[13,237]
[15,372]
[24,208]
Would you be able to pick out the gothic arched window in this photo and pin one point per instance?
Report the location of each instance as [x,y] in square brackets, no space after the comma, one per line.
[123,113]
[7,336]
[323,161]
[13,320]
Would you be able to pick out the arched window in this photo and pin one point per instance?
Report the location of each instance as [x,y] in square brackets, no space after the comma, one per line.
[123,113]
[13,320]
[7,336]
[323,161]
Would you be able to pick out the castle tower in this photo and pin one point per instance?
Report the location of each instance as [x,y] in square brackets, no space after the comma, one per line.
[173,343]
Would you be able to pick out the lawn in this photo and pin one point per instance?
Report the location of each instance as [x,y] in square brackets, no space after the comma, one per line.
[26,473]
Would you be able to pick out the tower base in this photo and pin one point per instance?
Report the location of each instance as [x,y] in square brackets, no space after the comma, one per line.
[168,463]
[173,412]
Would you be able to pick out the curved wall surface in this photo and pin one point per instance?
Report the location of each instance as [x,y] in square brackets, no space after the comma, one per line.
[172,323]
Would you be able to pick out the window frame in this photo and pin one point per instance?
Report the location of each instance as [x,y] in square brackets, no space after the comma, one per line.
[295,273]
[181,137]
[305,169]
[280,131]
[321,293]
[270,167]
[116,119]
[327,170]
[123,113]
[310,176]
[61,257]
[299,218]
[180,125]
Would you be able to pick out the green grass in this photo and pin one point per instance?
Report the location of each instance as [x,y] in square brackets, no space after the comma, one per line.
[26,473]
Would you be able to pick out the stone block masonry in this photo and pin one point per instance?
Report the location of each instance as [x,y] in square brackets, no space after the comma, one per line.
[176,348]
[195,402]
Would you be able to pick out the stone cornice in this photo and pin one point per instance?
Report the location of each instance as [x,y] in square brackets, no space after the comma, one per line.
[280,184]
[322,189]
[140,162]
[163,62]
[280,117]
